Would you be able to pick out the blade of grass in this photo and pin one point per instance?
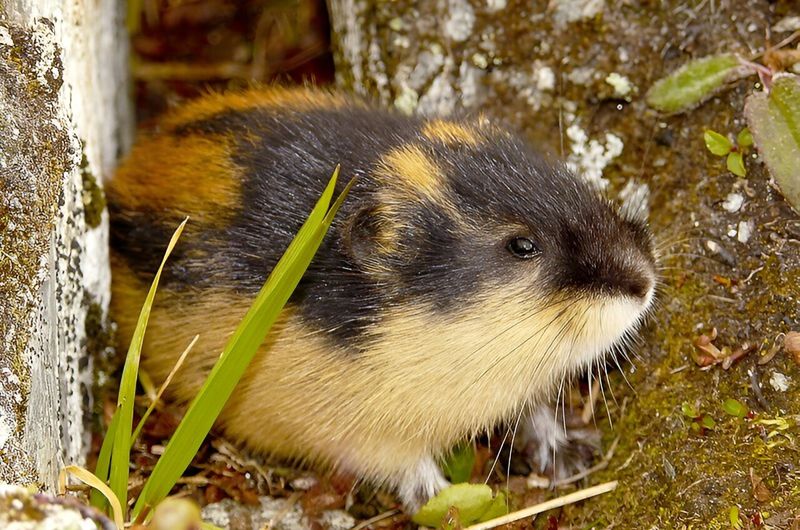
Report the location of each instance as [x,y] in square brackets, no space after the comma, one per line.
[103,461]
[239,351]
[148,388]
[120,451]
[161,390]
[86,476]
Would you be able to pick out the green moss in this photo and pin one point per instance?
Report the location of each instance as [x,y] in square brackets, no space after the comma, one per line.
[100,347]
[94,199]
[711,471]
[38,144]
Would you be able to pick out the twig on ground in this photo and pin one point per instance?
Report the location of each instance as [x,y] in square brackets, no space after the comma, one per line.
[572,498]
[378,518]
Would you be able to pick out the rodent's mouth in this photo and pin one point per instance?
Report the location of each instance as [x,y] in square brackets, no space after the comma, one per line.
[609,324]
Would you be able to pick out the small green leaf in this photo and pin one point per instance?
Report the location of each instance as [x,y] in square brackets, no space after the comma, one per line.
[688,410]
[733,515]
[717,143]
[734,408]
[101,469]
[458,467]
[774,120]
[708,422]
[736,164]
[498,508]
[693,83]
[744,138]
[472,501]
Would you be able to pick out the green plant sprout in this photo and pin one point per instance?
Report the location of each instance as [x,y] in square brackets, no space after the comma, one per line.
[720,145]
[734,407]
[701,422]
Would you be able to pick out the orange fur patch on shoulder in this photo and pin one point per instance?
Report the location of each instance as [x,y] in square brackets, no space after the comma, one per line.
[189,175]
[449,132]
[278,98]
[410,168]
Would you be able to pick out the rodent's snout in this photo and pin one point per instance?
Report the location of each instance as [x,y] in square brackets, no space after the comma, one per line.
[615,275]
[629,281]
[628,272]
[611,257]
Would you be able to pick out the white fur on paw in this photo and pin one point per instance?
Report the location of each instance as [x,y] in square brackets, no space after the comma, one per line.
[549,446]
[543,436]
[420,483]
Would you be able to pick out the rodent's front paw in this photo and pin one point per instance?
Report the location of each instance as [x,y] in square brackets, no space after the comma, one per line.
[554,450]
[419,484]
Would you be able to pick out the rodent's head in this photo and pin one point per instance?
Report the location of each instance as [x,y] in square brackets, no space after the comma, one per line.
[469,223]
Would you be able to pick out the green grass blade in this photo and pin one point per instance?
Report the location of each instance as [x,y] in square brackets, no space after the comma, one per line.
[120,451]
[239,351]
[138,430]
[97,499]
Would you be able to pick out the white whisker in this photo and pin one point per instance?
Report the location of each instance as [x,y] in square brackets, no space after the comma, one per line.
[603,393]
[497,457]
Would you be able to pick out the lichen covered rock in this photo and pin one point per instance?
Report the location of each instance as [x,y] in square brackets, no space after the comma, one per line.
[20,509]
[62,101]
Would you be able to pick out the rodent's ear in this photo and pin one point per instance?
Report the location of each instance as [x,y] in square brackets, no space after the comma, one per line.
[367,236]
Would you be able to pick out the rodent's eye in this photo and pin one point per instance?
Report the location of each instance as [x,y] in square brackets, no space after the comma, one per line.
[523,248]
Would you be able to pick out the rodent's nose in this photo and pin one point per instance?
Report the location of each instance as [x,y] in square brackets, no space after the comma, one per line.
[615,277]
[638,286]
[628,277]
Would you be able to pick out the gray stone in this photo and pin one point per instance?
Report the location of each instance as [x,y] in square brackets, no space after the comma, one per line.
[278,514]
[22,510]
[64,120]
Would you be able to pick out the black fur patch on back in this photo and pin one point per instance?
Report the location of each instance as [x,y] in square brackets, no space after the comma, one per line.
[288,158]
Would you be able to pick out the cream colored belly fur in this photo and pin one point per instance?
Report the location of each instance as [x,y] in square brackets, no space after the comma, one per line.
[420,388]
[384,413]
